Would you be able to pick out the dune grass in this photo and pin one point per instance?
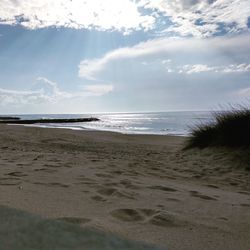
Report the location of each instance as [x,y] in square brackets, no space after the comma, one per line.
[229,129]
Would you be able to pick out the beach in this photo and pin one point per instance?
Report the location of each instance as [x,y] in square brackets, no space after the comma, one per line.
[141,187]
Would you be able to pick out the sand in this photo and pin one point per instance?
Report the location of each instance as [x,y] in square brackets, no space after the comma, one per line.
[140,187]
[24,231]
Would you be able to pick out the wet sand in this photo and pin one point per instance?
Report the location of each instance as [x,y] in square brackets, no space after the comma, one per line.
[140,187]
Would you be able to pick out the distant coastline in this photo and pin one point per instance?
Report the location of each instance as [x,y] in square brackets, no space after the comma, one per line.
[9,118]
[16,120]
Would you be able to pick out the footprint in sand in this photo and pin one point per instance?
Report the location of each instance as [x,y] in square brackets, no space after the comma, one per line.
[116,172]
[67,165]
[165,220]
[173,199]
[127,215]
[104,175]
[51,184]
[10,181]
[75,220]
[45,170]
[161,206]
[113,192]
[16,174]
[211,185]
[52,165]
[86,179]
[197,176]
[163,188]
[98,198]
[110,184]
[245,205]
[128,184]
[95,160]
[58,184]
[151,216]
[82,180]
[223,218]
[20,164]
[244,192]
[202,196]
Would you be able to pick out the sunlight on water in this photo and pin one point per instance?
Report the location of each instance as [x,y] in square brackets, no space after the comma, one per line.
[163,123]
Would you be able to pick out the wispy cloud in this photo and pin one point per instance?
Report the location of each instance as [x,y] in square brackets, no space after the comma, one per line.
[201,68]
[199,18]
[122,15]
[196,68]
[244,93]
[202,18]
[45,91]
[173,55]
[98,90]
[175,73]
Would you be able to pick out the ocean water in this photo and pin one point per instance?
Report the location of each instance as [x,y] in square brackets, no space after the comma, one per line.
[162,123]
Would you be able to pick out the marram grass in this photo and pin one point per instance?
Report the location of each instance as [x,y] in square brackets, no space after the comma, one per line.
[229,129]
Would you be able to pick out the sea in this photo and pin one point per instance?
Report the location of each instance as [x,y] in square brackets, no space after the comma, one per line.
[159,123]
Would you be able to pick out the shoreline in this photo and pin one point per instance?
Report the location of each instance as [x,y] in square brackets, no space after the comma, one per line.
[96,130]
[141,187]
[163,123]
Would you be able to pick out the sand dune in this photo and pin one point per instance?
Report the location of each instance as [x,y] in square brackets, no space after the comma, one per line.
[140,187]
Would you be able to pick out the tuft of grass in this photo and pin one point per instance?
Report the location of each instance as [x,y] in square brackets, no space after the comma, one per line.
[229,129]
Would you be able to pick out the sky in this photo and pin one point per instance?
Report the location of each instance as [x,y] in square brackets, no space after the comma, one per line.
[88,56]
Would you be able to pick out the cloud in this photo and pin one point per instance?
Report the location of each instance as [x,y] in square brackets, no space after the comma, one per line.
[199,68]
[202,18]
[15,97]
[149,49]
[45,91]
[98,90]
[176,55]
[244,93]
[122,15]
[243,67]
[174,73]
[199,18]
[196,68]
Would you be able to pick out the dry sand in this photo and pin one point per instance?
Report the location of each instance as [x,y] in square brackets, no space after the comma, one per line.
[140,187]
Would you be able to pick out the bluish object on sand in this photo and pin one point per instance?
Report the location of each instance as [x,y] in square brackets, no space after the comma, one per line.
[23,231]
